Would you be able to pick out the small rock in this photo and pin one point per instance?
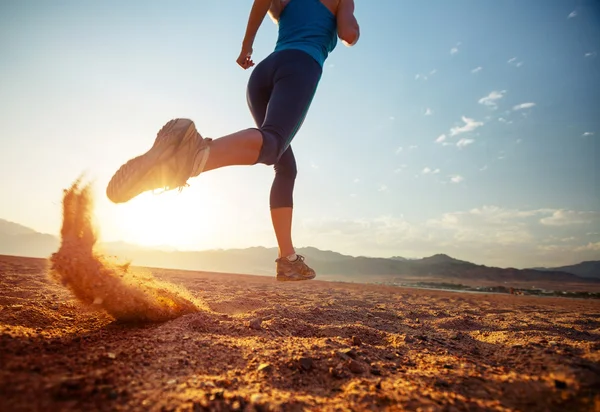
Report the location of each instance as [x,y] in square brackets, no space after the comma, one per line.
[265,367]
[306,363]
[558,384]
[111,355]
[553,343]
[16,307]
[256,398]
[255,323]
[349,352]
[338,371]
[171,382]
[356,341]
[355,367]
[447,366]
[441,383]
[375,371]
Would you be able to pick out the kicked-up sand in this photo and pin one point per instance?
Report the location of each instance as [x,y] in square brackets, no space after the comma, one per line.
[125,293]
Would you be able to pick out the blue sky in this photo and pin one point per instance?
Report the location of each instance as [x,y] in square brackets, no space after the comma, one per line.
[467,128]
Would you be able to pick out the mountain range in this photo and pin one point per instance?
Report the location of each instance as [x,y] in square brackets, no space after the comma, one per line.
[19,240]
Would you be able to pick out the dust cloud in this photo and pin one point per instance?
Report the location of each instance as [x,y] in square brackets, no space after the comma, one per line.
[102,283]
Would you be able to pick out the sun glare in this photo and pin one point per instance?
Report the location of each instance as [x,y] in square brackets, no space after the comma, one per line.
[169,219]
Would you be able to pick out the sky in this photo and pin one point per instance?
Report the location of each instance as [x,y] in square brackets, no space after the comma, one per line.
[467,128]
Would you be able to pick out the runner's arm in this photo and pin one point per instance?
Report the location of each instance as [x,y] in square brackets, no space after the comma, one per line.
[257,15]
[348,29]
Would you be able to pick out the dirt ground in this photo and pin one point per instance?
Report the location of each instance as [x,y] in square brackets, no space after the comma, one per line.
[267,345]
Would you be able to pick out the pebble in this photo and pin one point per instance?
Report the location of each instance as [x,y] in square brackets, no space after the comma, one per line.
[553,343]
[265,367]
[256,398]
[111,355]
[356,341]
[349,352]
[255,323]
[355,367]
[306,363]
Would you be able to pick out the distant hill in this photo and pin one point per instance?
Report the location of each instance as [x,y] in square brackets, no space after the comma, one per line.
[19,240]
[589,269]
[10,228]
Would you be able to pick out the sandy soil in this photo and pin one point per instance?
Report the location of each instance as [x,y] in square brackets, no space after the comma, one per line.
[267,345]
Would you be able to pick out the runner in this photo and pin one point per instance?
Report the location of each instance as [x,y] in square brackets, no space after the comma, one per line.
[280,91]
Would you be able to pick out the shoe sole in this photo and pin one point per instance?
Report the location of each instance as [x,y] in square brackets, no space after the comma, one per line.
[127,182]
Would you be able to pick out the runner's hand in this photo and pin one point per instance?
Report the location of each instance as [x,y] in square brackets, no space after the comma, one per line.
[245,58]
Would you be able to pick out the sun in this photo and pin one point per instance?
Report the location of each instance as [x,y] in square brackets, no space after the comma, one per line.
[171,219]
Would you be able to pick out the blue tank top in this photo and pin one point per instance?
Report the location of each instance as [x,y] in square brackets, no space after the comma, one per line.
[307,25]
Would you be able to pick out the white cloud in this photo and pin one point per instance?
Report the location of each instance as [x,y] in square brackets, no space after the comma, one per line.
[477,69]
[489,235]
[428,112]
[434,71]
[588,134]
[440,138]
[513,61]
[524,106]
[464,142]
[392,118]
[400,169]
[412,147]
[382,188]
[594,247]
[519,140]
[469,126]
[572,14]
[491,99]
[569,217]
[357,180]
[590,54]
[454,50]
[399,150]
[483,168]
[427,171]
[457,179]
[420,76]
[314,165]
